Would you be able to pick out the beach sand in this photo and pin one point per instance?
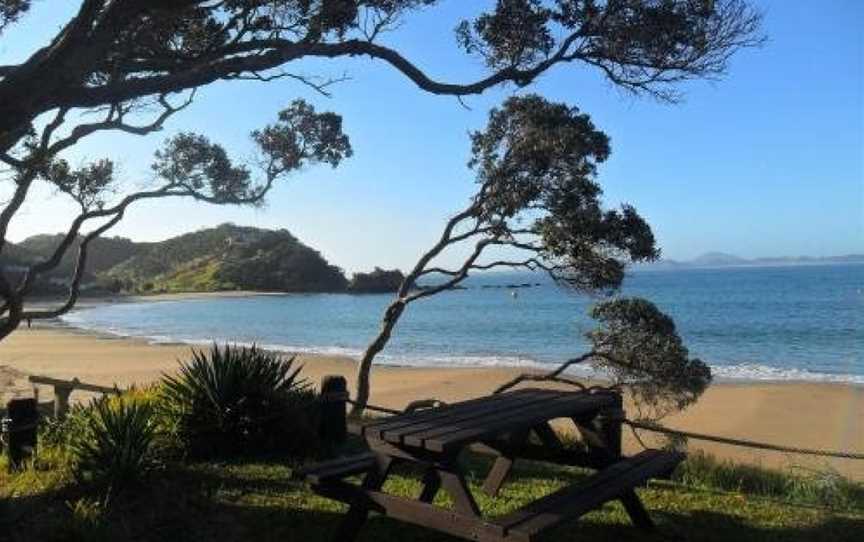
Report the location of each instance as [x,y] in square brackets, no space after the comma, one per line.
[809,415]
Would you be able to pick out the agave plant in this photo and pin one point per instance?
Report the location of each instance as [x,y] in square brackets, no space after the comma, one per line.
[234,400]
[110,442]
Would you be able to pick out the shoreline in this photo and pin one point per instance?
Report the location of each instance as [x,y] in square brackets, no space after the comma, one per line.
[821,415]
[769,374]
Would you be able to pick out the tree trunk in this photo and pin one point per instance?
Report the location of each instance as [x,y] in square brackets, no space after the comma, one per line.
[364,368]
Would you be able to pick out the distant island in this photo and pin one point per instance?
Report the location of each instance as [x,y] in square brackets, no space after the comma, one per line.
[721,259]
[224,258]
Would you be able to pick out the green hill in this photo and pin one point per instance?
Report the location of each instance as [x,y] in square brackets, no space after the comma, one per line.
[104,252]
[227,257]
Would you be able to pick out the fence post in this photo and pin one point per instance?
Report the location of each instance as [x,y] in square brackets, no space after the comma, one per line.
[333,427]
[20,429]
[61,399]
[607,424]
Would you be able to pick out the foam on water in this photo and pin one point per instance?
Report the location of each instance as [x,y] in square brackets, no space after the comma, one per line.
[742,372]
[771,324]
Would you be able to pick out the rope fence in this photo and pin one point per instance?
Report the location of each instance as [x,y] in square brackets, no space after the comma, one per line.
[655,428]
[741,442]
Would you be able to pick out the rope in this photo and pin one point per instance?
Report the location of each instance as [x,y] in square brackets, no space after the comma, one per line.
[695,436]
[742,442]
[375,408]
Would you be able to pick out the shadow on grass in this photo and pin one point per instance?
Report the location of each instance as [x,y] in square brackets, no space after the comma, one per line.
[259,502]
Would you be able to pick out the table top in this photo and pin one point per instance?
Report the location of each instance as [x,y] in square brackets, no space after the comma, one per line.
[458,424]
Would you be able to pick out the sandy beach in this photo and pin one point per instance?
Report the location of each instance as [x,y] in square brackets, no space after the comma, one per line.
[811,415]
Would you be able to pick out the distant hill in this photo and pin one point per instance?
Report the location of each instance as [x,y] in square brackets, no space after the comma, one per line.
[721,259]
[226,257]
[104,252]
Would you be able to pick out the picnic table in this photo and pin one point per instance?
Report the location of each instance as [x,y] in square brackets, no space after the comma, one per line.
[512,425]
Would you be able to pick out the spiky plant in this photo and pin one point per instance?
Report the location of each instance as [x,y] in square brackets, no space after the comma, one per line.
[110,442]
[238,400]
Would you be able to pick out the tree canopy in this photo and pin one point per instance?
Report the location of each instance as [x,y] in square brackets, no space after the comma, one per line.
[538,206]
[129,66]
[187,165]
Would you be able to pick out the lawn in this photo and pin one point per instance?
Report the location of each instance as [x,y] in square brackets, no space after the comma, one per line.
[259,501]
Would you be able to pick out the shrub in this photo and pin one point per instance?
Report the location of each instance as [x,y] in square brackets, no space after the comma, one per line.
[110,442]
[238,400]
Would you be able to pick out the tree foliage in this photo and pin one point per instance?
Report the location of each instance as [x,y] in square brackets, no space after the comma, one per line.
[537,206]
[187,165]
[131,65]
[637,347]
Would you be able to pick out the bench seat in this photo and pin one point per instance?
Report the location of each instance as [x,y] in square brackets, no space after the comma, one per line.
[614,482]
[337,469]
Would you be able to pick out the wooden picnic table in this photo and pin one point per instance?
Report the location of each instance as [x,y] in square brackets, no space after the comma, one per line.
[504,425]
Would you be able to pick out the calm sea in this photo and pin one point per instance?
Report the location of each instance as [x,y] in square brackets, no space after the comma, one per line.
[769,323]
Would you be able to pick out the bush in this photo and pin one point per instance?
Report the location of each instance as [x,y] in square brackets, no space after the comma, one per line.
[237,400]
[110,442]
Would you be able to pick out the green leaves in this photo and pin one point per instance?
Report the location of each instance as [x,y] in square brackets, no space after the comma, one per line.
[536,162]
[192,162]
[87,185]
[640,349]
[235,400]
[303,136]
[111,441]
[193,165]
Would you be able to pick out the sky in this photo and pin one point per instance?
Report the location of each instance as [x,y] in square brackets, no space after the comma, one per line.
[768,161]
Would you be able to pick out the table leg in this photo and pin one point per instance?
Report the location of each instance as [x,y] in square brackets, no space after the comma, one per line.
[455,485]
[636,510]
[357,513]
[496,477]
[504,463]
[431,485]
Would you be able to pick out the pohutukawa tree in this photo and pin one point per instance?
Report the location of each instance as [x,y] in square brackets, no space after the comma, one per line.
[639,349]
[137,63]
[538,207]
[188,165]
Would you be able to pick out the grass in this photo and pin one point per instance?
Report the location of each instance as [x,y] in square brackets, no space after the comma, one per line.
[800,485]
[259,501]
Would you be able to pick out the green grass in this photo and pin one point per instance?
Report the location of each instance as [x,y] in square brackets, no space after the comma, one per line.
[258,501]
[824,487]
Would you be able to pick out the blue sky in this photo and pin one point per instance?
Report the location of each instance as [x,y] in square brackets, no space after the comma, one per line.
[767,162]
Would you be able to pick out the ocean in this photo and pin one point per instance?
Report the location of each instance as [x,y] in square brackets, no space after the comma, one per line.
[749,323]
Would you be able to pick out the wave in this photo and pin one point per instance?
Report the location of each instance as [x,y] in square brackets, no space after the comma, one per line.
[740,372]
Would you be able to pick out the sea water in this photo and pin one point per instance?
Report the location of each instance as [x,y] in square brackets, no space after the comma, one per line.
[765,323]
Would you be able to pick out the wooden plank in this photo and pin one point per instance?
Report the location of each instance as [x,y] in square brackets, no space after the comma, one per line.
[396,420]
[338,468]
[400,423]
[563,406]
[418,513]
[74,383]
[478,416]
[574,501]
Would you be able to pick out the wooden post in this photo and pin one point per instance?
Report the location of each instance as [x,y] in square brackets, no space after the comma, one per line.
[333,427]
[21,428]
[61,399]
[607,424]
